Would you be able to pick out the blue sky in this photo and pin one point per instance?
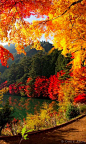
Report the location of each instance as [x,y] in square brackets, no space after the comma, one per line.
[30,20]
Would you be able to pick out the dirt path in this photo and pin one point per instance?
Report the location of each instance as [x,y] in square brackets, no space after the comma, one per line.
[74,133]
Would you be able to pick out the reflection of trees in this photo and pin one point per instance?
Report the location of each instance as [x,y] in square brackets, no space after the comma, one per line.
[24,106]
[22,103]
[0,76]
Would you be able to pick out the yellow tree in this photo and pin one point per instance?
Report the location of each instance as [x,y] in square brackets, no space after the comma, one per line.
[66,95]
[66,22]
[79,81]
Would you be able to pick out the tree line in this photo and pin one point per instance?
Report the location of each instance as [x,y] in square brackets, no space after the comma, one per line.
[41,63]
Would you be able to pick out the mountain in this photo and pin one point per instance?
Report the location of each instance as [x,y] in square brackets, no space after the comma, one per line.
[35,63]
[11,48]
[29,53]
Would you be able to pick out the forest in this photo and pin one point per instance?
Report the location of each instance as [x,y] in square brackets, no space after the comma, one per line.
[40,64]
[42,70]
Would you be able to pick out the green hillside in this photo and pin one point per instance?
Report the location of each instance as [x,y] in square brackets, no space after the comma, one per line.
[35,63]
[29,53]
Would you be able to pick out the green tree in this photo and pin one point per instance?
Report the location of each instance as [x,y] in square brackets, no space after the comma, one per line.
[19,71]
[36,66]
[25,62]
[46,66]
[12,74]
[61,64]
[6,115]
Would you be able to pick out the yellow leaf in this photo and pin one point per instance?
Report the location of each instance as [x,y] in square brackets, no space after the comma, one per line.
[63,43]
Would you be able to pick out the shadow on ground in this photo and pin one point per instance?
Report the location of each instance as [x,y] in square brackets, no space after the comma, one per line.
[74,133]
[53,137]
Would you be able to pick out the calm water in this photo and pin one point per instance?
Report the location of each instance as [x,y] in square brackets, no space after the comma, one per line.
[24,105]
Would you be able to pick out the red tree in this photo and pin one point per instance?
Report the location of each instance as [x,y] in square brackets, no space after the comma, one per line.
[81,98]
[15,88]
[29,88]
[41,86]
[11,88]
[4,84]
[54,85]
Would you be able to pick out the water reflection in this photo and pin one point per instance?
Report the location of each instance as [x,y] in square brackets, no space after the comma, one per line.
[25,105]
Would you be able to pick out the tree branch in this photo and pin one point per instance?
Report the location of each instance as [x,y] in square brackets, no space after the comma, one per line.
[74,3]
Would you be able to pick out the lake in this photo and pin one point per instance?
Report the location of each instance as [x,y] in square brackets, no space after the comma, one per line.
[24,105]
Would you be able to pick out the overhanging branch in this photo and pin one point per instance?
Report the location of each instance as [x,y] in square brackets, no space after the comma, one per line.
[74,3]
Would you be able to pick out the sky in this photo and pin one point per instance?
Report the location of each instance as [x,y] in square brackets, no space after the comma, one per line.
[30,20]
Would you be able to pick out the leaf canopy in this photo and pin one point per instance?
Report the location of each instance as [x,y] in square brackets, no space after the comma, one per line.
[65,21]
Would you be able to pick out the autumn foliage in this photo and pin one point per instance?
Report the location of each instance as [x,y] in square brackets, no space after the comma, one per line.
[65,21]
[54,85]
[5,55]
[81,98]
[79,80]
[66,91]
[29,88]
[4,84]
[41,86]
[16,88]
